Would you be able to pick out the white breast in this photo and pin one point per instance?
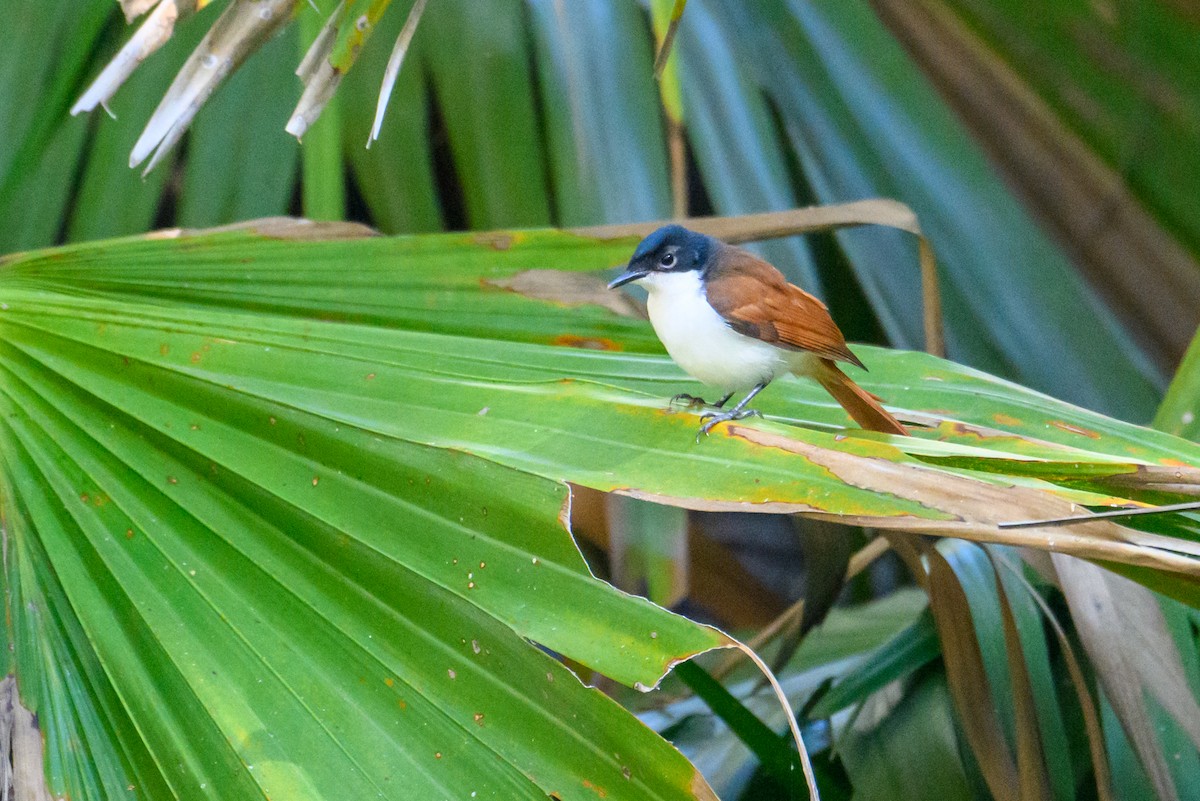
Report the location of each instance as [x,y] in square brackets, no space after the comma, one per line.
[700,341]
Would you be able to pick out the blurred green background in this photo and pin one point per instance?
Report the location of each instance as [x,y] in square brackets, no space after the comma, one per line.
[1051,152]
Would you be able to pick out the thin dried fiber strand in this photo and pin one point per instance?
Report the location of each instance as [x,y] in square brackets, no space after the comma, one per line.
[1190,506]
[668,42]
[393,66]
[809,777]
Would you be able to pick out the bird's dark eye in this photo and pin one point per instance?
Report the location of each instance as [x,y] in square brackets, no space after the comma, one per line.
[667,260]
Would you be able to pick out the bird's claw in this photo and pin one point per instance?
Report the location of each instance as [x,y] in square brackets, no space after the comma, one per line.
[713,418]
[688,401]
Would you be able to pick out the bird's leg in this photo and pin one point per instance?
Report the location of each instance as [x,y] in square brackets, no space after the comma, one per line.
[692,401]
[739,412]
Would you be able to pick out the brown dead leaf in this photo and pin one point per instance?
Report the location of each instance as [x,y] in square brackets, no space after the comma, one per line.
[702,789]
[1035,783]
[1124,632]
[968,679]
[23,745]
[296,228]
[977,507]
[1176,480]
[1087,705]
[569,289]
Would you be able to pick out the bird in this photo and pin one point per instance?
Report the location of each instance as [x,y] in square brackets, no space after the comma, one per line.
[732,321]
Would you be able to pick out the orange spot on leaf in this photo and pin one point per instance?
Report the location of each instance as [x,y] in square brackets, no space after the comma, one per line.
[595,788]
[1005,420]
[1169,462]
[587,343]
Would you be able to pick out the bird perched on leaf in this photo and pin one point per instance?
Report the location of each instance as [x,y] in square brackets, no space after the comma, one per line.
[732,321]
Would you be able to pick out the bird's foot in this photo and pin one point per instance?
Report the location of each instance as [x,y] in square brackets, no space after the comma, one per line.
[688,401]
[693,402]
[713,418]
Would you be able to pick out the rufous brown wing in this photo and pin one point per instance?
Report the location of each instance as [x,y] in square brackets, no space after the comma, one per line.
[757,301]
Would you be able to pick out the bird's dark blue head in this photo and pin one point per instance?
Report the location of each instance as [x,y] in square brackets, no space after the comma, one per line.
[671,248]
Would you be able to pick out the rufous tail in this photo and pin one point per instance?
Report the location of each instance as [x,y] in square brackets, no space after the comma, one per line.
[862,406]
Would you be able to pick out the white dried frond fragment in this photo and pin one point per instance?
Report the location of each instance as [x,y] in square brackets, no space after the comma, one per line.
[321,47]
[243,27]
[320,78]
[153,34]
[393,66]
[135,8]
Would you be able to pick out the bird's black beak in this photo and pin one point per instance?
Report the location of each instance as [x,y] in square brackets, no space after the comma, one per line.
[625,277]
